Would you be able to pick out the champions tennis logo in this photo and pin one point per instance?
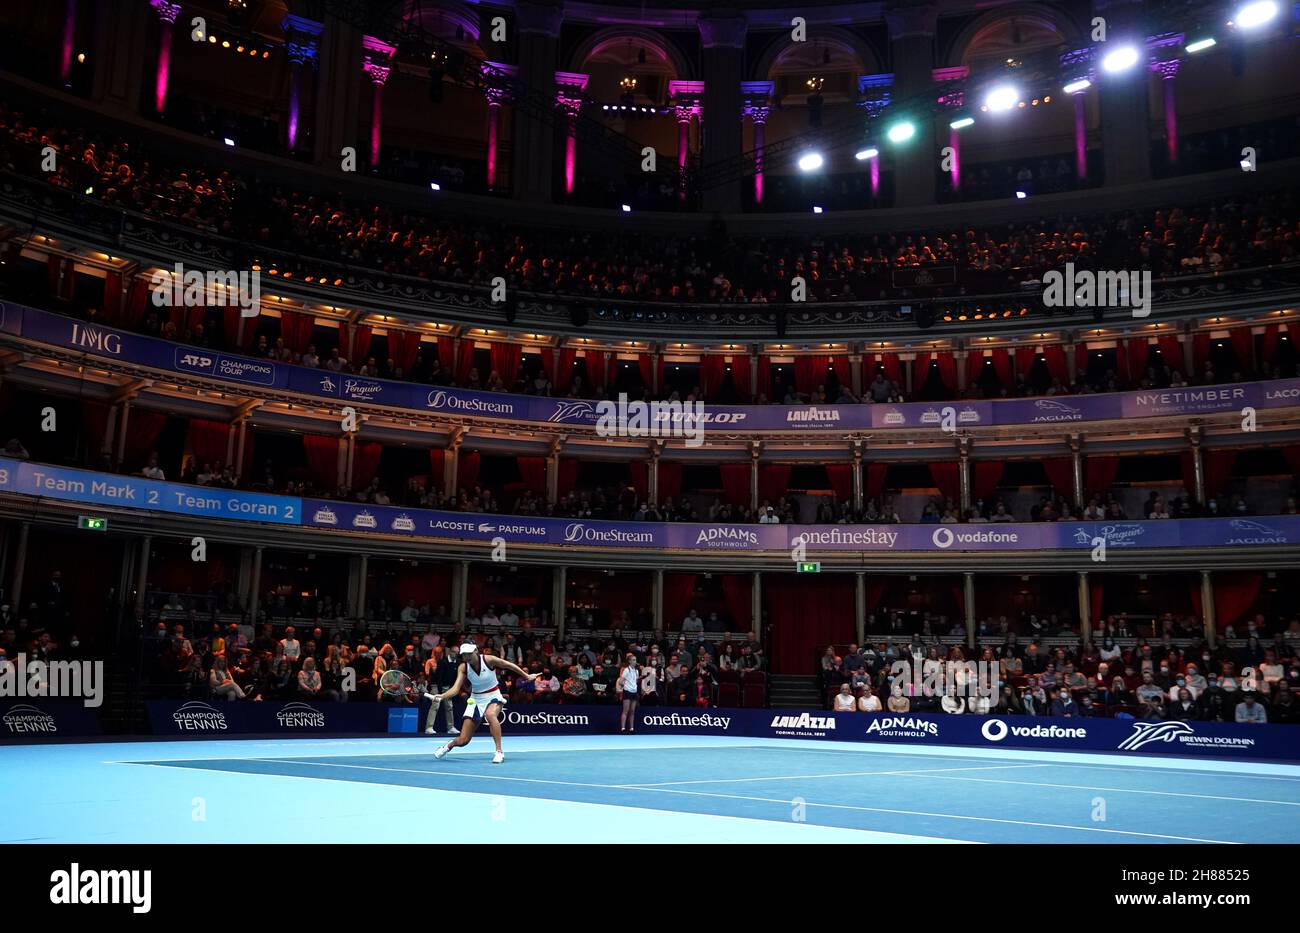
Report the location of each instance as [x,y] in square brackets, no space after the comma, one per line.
[79,680]
[79,885]
[804,724]
[197,716]
[1148,733]
[300,716]
[25,719]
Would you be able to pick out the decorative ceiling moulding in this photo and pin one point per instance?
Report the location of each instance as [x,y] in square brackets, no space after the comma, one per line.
[602,39]
[1044,16]
[539,19]
[759,15]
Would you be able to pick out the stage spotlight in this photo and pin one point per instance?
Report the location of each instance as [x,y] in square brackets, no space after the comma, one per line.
[961,123]
[901,132]
[1255,14]
[1021,195]
[811,162]
[1074,87]
[863,155]
[228,141]
[1200,45]
[1001,98]
[627,208]
[434,186]
[817,209]
[1122,59]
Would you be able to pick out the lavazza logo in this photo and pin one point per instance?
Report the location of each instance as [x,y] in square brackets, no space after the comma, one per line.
[197,716]
[300,716]
[812,416]
[1148,733]
[803,724]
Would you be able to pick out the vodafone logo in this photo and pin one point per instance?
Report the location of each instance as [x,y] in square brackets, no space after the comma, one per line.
[942,537]
[995,730]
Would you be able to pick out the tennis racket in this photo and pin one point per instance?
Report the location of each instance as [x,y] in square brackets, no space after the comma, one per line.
[396,684]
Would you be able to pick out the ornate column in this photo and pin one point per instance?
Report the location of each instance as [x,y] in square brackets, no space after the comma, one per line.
[69,37]
[1085,608]
[1168,71]
[963,475]
[377,63]
[538,26]
[755,450]
[722,36]
[758,96]
[167,13]
[1194,439]
[911,39]
[860,605]
[495,79]
[685,97]
[968,599]
[874,91]
[1207,609]
[857,447]
[952,101]
[1125,131]
[559,597]
[569,88]
[1076,467]
[302,45]
[1076,65]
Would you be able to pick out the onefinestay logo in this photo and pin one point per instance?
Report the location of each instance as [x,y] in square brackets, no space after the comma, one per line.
[79,885]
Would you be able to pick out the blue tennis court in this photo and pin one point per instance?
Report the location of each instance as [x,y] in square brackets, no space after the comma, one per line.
[644,788]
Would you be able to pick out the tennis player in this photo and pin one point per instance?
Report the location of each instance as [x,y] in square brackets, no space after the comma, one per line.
[485,699]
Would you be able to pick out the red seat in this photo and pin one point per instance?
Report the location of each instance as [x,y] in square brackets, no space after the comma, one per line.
[728,694]
[754,696]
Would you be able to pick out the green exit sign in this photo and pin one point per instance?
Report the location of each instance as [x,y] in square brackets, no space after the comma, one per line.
[810,566]
[91,523]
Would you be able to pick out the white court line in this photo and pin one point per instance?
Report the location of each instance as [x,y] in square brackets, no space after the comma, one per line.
[666,790]
[903,837]
[799,777]
[1116,790]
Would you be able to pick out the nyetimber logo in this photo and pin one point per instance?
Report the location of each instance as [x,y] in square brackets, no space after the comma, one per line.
[572,411]
[1052,410]
[78,885]
[300,716]
[197,716]
[727,536]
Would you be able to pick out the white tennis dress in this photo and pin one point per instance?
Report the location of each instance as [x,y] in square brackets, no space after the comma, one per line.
[484,688]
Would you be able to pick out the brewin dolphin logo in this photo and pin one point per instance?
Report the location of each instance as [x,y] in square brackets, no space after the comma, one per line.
[572,411]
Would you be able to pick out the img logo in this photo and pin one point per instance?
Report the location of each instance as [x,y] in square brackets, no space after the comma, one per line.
[1088,289]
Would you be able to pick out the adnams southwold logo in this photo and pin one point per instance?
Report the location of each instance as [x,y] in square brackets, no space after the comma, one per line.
[1148,733]
[197,716]
[726,536]
[300,716]
[996,730]
[804,724]
[903,727]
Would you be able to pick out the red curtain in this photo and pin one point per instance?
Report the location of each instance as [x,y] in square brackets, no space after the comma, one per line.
[532,470]
[841,479]
[568,476]
[1134,366]
[447,356]
[947,371]
[1096,596]
[1200,352]
[142,430]
[735,482]
[1234,595]
[740,374]
[876,473]
[232,318]
[322,460]
[1002,366]
[437,466]
[1243,344]
[1025,357]
[806,615]
[773,480]
[988,473]
[358,349]
[1060,473]
[137,303]
[679,593]
[94,421]
[564,371]
[713,371]
[296,330]
[365,462]
[505,360]
[638,472]
[945,476]
[1171,351]
[403,347]
[645,365]
[974,367]
[466,362]
[670,480]
[596,369]
[1081,352]
[1054,358]
[764,377]
[1218,466]
[1099,473]
[208,440]
[112,300]
[467,469]
[737,591]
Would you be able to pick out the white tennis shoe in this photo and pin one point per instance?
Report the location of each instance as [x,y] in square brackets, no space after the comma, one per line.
[441,750]
[498,758]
